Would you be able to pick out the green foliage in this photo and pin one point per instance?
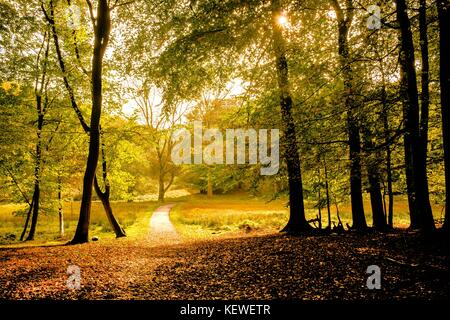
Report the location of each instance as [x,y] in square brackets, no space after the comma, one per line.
[181,59]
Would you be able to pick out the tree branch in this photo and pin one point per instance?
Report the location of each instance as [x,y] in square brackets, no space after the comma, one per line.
[51,21]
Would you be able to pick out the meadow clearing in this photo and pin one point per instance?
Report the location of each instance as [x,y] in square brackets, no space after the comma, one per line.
[195,217]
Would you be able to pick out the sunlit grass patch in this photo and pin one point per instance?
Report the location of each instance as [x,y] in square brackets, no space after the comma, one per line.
[203,217]
[133,216]
[230,219]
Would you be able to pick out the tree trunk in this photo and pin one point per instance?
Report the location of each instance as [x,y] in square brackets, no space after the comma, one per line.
[327,190]
[413,142]
[358,217]
[428,220]
[444,75]
[27,220]
[376,199]
[383,195]
[30,203]
[410,190]
[297,220]
[104,198]
[60,209]
[34,217]
[101,31]
[319,202]
[209,187]
[384,114]
[37,171]
[41,107]
[161,189]
[425,80]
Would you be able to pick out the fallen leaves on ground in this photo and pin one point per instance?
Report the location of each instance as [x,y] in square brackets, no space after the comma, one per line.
[274,266]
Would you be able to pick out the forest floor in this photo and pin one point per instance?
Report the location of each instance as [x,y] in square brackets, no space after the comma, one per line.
[252,266]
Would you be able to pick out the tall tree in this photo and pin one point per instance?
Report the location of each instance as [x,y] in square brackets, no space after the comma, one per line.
[345,18]
[387,138]
[104,196]
[413,142]
[160,122]
[102,29]
[41,108]
[444,76]
[297,221]
[425,80]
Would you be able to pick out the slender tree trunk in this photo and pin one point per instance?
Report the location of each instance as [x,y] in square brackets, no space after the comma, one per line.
[408,153]
[161,189]
[37,171]
[327,190]
[410,189]
[383,195]
[376,199]
[412,125]
[390,192]
[319,203]
[425,81]
[27,220]
[427,218]
[104,198]
[297,220]
[384,114]
[344,22]
[30,204]
[41,107]
[60,209]
[358,217]
[35,214]
[209,187]
[444,75]
[101,31]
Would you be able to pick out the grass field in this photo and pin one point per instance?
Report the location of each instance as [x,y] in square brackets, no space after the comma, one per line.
[203,217]
[133,216]
[195,217]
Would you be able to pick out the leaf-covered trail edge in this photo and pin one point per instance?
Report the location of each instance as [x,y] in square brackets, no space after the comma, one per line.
[272,266]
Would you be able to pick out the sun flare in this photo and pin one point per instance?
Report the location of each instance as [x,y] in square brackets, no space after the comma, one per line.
[283,20]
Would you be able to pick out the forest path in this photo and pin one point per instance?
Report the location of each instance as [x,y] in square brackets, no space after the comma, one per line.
[161,228]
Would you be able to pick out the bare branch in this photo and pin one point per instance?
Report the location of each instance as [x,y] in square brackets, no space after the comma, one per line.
[51,21]
[91,12]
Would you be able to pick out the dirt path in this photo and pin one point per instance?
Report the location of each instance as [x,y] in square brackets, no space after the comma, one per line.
[161,228]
